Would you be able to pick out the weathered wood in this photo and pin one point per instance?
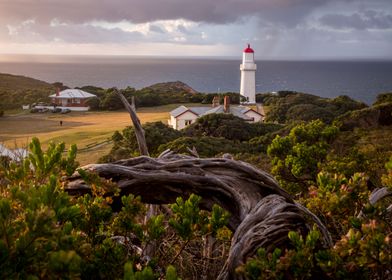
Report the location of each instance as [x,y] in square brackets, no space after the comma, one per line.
[379,194]
[143,149]
[262,213]
[139,131]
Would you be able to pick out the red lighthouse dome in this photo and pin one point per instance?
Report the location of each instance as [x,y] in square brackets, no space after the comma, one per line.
[248,49]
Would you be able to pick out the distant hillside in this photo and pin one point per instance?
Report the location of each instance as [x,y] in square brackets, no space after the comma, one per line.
[18,90]
[171,87]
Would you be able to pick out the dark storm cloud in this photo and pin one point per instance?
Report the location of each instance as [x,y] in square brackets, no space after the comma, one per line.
[218,11]
[31,31]
[365,20]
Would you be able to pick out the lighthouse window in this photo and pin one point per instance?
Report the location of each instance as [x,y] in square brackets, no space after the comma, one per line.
[188,122]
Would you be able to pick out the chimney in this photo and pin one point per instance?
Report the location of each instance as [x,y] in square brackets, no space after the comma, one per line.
[215,101]
[57,92]
[226,104]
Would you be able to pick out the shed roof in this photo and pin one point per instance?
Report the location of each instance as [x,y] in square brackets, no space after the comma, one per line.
[239,111]
[182,109]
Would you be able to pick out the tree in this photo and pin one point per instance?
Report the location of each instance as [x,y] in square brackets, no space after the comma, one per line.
[296,158]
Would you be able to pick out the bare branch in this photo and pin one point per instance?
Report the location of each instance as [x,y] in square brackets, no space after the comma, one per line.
[139,131]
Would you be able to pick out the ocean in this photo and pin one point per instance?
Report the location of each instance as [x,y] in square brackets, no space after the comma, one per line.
[361,80]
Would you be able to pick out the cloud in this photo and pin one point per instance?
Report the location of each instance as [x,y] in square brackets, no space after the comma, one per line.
[368,19]
[31,31]
[136,11]
[274,27]
[156,28]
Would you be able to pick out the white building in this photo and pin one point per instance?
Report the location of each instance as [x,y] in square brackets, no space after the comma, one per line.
[73,99]
[183,116]
[248,76]
[14,155]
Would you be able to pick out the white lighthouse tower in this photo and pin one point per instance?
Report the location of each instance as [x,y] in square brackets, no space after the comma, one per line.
[248,75]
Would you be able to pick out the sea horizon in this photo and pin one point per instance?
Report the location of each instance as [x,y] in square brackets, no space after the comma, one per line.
[26,57]
[361,79]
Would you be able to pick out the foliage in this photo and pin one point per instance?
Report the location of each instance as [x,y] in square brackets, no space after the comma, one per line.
[93,103]
[383,98]
[111,101]
[296,158]
[18,90]
[228,126]
[210,135]
[297,263]
[335,198]
[205,146]
[235,98]
[361,233]
[45,233]
[287,106]
[220,125]
[387,178]
[366,118]
[125,144]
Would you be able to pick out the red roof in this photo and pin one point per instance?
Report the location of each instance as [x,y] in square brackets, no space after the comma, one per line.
[248,49]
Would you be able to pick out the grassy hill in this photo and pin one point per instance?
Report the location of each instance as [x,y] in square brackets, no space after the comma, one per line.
[17,90]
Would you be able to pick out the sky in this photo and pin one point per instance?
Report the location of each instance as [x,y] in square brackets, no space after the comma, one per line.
[276,29]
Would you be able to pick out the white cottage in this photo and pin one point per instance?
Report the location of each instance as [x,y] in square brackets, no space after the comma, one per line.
[183,116]
[15,154]
[73,99]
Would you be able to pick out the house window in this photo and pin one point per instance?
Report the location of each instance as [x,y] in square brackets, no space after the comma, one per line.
[188,122]
[76,100]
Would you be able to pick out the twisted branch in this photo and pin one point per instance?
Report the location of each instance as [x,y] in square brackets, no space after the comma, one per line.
[262,213]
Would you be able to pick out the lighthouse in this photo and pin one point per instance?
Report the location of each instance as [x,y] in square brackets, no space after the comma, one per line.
[248,76]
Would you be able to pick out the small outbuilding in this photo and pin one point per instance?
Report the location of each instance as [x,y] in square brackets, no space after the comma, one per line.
[183,116]
[73,99]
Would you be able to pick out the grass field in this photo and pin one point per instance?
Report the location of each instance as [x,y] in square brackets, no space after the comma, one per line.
[89,130]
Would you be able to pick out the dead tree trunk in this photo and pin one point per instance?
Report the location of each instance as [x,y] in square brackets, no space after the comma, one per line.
[262,213]
[143,149]
[139,131]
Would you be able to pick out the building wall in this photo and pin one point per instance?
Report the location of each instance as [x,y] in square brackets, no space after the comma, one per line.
[172,122]
[256,117]
[70,102]
[182,120]
[73,108]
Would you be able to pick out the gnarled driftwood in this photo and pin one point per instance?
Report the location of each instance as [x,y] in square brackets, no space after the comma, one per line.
[262,213]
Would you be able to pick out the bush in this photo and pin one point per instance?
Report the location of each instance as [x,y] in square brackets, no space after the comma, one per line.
[45,233]
[360,231]
[287,106]
[125,144]
[296,158]
[205,146]
[383,98]
[229,127]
